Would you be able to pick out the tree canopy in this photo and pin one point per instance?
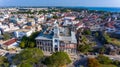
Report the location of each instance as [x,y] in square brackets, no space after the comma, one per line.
[85,45]
[84,48]
[25,65]
[29,41]
[87,32]
[57,59]
[6,36]
[110,40]
[29,56]
[104,59]
[3,62]
[55,17]
[92,62]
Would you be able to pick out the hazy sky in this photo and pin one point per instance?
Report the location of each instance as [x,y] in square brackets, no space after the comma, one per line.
[95,3]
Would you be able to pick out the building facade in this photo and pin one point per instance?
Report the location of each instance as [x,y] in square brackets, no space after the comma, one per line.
[57,38]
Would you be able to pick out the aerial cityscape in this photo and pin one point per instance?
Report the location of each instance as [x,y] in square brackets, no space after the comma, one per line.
[57,34]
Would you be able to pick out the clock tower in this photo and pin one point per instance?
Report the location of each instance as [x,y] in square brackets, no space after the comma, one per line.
[56,37]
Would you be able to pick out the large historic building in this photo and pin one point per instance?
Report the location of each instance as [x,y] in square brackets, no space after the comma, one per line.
[57,38]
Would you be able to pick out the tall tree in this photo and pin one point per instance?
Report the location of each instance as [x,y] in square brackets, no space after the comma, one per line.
[57,59]
[22,44]
[92,62]
[25,65]
[29,42]
[104,59]
[6,36]
[3,62]
[29,55]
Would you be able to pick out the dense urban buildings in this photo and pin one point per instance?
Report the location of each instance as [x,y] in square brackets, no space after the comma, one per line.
[79,34]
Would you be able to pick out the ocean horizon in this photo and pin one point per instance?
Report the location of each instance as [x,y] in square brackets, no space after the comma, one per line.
[108,9]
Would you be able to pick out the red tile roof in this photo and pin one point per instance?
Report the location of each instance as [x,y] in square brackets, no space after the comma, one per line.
[78,24]
[10,42]
[110,25]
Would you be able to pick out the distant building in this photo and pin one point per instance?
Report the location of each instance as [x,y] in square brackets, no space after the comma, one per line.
[95,28]
[70,17]
[23,9]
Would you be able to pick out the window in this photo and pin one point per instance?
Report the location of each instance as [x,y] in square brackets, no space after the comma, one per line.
[56,40]
[56,46]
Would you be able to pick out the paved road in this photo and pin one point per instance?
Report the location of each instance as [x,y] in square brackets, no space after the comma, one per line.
[82,61]
[98,43]
[114,57]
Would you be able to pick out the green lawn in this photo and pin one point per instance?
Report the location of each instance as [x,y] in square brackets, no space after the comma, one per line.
[109,65]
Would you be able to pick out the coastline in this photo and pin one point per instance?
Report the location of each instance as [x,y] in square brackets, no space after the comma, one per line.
[108,9]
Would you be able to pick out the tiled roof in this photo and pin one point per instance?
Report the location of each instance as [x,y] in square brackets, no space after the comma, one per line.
[78,24]
[10,42]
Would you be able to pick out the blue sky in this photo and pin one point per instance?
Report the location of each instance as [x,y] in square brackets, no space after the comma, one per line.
[94,3]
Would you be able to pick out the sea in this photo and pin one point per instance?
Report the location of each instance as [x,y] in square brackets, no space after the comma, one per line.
[108,9]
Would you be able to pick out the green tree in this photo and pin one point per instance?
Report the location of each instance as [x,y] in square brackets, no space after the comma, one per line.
[55,17]
[84,48]
[29,42]
[110,40]
[28,55]
[102,50]
[96,34]
[25,65]
[87,32]
[92,62]
[84,45]
[22,44]
[6,36]
[107,37]
[84,39]
[33,36]
[116,62]
[3,62]
[104,59]
[57,59]
[24,38]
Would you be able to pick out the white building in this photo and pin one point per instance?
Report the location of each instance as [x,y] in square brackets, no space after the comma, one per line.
[70,17]
[110,30]
[10,44]
[57,39]
[41,19]
[22,32]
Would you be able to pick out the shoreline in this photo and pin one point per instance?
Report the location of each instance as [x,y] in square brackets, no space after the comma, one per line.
[106,9]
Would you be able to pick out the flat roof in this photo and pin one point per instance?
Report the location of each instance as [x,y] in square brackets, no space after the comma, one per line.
[44,36]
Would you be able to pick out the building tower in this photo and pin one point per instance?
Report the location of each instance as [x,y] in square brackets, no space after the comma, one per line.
[56,37]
